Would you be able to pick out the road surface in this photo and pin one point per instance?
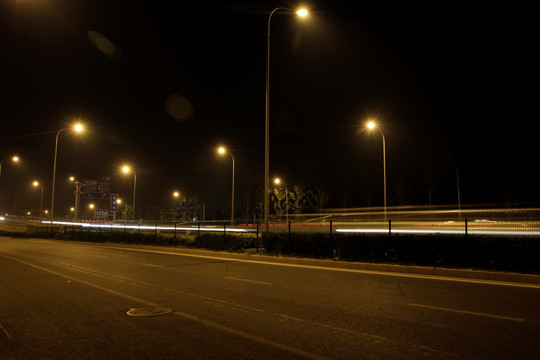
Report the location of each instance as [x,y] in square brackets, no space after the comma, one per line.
[68,300]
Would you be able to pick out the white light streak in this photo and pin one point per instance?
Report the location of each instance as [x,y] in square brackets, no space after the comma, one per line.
[146,227]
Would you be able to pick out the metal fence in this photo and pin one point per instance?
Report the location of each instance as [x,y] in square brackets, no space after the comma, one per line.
[501,222]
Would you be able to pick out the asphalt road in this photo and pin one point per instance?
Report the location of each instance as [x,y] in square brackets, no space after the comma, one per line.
[62,300]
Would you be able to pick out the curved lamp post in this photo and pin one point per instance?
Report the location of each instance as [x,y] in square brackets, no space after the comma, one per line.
[222,151]
[371,125]
[77,128]
[301,13]
[126,169]
[13,158]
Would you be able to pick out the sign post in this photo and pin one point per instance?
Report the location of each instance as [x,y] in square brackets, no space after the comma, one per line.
[114,205]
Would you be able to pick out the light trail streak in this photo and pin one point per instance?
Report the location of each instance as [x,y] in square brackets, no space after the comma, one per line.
[145,227]
[442,231]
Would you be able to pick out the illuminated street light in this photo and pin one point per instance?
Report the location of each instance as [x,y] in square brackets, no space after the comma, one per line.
[302,13]
[36,184]
[175,195]
[91,207]
[77,128]
[278,182]
[126,169]
[371,125]
[222,151]
[13,158]
[118,202]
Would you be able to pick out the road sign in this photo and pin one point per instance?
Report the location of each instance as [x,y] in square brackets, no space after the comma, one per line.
[114,202]
[96,189]
[102,213]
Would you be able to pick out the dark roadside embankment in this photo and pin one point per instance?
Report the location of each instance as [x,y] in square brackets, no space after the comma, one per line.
[481,252]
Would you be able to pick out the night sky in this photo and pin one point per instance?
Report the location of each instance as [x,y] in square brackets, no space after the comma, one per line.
[449,84]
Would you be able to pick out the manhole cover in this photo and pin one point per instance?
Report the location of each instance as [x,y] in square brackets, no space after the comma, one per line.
[149,311]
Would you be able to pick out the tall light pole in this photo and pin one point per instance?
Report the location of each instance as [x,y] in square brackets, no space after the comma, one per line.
[36,184]
[222,151]
[126,170]
[301,13]
[77,128]
[277,181]
[371,125]
[458,195]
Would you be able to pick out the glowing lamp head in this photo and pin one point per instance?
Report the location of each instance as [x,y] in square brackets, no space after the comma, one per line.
[176,194]
[15,158]
[371,125]
[126,169]
[302,13]
[277,181]
[222,150]
[78,127]
[35,183]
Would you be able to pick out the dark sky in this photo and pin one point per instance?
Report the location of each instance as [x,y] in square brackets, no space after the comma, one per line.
[444,81]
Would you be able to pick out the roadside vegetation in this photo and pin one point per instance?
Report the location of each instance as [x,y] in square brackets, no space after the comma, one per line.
[515,254]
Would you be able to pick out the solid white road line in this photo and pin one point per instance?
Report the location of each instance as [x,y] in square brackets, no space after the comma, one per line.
[279,346]
[467,312]
[247,280]
[328,268]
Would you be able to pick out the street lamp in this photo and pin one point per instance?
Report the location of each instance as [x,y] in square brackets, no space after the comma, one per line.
[13,158]
[301,13]
[222,151]
[36,184]
[175,194]
[119,202]
[371,125]
[126,169]
[277,181]
[77,128]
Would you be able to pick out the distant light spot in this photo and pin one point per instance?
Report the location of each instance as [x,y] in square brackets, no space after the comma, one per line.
[179,107]
[104,45]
